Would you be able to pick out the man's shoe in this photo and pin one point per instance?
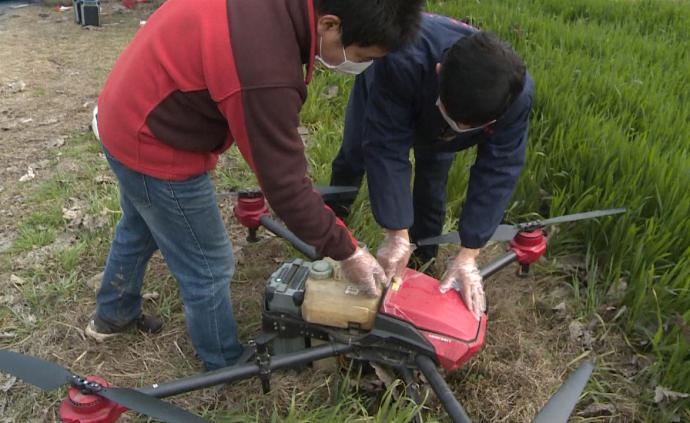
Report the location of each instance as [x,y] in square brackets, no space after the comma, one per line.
[100,330]
[149,324]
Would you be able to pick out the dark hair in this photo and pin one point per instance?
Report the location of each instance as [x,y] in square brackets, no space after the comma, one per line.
[389,24]
[480,78]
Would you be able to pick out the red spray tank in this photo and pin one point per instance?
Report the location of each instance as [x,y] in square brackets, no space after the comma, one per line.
[442,318]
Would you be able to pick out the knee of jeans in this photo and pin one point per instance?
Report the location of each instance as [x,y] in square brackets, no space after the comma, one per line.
[224,268]
[205,293]
[216,275]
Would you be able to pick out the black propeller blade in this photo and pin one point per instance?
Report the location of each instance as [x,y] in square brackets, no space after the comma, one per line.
[449,238]
[508,232]
[38,372]
[150,406]
[579,216]
[335,190]
[49,376]
[562,403]
[505,233]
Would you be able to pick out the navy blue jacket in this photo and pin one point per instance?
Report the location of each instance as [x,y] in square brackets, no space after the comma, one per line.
[392,110]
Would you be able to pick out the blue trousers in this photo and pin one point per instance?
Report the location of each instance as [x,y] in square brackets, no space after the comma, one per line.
[182,219]
[429,194]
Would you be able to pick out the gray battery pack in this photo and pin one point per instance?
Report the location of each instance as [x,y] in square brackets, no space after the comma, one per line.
[285,288]
[90,12]
[284,295]
[76,7]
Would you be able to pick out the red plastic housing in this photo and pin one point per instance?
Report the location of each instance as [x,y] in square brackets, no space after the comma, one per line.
[249,210]
[85,408]
[443,319]
[529,246]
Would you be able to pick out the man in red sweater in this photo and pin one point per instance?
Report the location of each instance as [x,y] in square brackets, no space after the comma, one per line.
[198,77]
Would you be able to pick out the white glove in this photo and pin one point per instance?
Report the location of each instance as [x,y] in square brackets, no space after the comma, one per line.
[394,253]
[363,269]
[462,274]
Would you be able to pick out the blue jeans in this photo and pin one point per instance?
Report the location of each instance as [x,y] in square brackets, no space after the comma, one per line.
[182,219]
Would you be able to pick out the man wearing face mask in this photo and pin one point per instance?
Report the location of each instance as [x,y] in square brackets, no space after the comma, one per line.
[452,89]
[193,81]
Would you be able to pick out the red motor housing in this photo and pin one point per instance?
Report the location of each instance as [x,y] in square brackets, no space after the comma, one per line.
[249,208]
[443,319]
[529,246]
[79,407]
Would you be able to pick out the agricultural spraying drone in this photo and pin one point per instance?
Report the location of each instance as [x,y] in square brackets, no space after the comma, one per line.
[412,326]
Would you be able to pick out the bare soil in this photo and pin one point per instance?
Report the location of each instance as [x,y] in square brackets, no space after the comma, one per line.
[51,71]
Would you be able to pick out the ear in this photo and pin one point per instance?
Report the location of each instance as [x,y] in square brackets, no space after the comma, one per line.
[327,22]
[438,68]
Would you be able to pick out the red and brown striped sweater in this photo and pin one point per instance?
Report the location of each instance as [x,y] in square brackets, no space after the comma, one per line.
[204,74]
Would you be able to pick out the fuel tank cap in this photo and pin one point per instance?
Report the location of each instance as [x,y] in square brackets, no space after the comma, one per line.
[320,269]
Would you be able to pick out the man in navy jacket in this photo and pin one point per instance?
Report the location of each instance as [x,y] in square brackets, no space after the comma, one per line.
[452,89]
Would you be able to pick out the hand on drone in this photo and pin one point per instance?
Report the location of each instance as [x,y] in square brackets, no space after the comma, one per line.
[363,269]
[394,253]
[463,275]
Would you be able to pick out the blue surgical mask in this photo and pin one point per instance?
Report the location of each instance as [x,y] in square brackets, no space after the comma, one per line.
[347,66]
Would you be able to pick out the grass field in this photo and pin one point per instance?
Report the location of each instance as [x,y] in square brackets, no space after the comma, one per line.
[610,128]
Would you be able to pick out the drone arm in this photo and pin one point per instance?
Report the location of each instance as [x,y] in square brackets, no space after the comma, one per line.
[498,264]
[285,233]
[443,392]
[232,373]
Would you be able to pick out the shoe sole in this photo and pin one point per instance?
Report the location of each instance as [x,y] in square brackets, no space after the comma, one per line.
[99,337]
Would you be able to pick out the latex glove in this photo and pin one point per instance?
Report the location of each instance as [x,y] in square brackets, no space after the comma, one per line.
[394,253]
[363,269]
[463,275]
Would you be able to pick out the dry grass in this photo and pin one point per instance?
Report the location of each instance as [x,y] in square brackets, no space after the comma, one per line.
[527,352]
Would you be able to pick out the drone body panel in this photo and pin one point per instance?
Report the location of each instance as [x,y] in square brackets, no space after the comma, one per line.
[443,318]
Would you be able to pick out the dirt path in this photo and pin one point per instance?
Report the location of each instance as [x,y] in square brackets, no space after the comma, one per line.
[50,73]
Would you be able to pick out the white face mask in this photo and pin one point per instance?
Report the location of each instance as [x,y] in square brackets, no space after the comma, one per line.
[347,66]
[454,125]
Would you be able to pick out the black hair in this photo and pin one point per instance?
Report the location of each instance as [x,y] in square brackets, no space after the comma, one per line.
[389,24]
[480,78]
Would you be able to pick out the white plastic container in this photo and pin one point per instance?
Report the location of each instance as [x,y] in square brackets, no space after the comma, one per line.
[331,300]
